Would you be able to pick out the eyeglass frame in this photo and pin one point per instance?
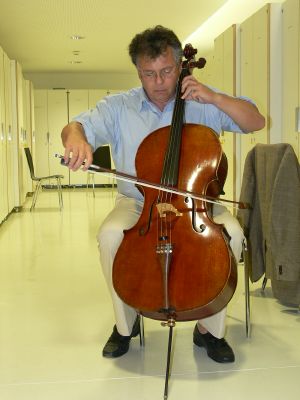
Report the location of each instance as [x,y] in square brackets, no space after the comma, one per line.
[164,73]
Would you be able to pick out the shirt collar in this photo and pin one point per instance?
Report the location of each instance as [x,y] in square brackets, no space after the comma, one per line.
[146,103]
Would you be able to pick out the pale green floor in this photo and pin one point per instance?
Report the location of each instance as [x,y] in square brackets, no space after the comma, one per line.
[56,316]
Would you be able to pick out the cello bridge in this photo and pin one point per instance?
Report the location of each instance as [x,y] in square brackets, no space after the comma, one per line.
[163,208]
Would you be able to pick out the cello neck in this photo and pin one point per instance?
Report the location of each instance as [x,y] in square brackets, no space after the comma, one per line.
[171,162]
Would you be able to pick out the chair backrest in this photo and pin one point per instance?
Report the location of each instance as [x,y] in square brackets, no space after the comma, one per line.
[101,157]
[29,161]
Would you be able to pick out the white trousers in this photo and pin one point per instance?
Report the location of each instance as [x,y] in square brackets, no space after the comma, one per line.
[124,215]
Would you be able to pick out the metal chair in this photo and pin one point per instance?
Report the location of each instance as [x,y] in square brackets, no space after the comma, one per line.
[101,158]
[40,179]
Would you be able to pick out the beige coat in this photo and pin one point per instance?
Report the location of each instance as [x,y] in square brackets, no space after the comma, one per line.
[271,184]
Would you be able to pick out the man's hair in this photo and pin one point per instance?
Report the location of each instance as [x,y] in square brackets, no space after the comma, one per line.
[153,42]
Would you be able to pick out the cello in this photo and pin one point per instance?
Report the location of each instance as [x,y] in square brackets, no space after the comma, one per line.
[175,264]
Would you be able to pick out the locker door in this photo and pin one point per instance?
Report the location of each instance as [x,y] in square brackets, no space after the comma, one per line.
[41,133]
[205,75]
[3,165]
[32,120]
[17,83]
[94,96]
[290,69]
[228,138]
[78,103]
[12,139]
[26,136]
[246,32]
[57,119]
[260,65]
[229,54]
[218,78]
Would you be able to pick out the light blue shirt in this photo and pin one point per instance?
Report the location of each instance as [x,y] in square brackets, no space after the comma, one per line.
[124,120]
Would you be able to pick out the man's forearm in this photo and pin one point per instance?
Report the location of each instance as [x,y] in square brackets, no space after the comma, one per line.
[243,113]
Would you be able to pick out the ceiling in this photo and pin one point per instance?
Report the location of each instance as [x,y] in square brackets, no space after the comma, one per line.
[37,32]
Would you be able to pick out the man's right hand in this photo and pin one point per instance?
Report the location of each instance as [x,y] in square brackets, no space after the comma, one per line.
[77,148]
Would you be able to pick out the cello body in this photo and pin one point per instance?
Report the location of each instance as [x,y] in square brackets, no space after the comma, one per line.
[176,262]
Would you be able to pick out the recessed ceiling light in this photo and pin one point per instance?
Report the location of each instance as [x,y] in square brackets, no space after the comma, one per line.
[74,62]
[77,37]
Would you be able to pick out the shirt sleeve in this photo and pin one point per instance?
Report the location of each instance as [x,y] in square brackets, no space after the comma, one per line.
[98,123]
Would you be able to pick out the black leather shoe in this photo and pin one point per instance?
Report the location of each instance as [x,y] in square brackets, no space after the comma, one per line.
[117,345]
[217,349]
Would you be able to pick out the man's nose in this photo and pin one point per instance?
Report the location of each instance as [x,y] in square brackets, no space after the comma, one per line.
[159,78]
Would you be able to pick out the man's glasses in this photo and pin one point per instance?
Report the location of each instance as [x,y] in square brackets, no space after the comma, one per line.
[163,73]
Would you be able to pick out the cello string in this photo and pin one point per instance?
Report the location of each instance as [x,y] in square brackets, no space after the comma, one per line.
[174,142]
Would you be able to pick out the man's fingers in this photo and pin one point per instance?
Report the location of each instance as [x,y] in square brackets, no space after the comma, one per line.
[88,161]
[81,157]
[67,156]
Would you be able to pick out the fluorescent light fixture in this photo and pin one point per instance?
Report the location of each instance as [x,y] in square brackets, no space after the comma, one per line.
[77,37]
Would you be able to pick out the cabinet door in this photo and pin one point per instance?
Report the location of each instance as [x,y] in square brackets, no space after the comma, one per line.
[246,39]
[17,81]
[78,103]
[51,115]
[41,154]
[290,70]
[27,140]
[57,119]
[228,138]
[255,78]
[12,139]
[96,95]
[205,75]
[3,165]
[223,79]
[218,63]
[261,78]
[32,120]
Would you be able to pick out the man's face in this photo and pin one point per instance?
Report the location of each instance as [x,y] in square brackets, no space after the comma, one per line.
[159,77]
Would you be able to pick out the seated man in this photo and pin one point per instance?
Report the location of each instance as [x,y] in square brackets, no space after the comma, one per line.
[123,121]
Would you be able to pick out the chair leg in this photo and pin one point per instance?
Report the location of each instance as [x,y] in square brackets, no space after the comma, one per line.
[113,182]
[90,176]
[35,195]
[247,291]
[93,177]
[142,332]
[263,286]
[60,198]
[87,181]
